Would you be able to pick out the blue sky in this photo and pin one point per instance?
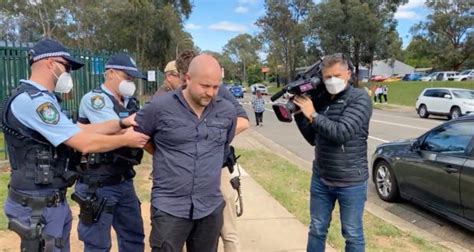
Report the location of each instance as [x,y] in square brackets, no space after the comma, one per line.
[214,22]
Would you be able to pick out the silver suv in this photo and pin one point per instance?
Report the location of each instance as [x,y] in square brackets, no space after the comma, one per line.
[450,102]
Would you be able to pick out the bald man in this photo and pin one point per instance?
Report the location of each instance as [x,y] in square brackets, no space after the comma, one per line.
[189,129]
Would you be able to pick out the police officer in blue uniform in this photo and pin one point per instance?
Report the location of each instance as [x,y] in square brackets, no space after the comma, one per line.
[107,181]
[40,141]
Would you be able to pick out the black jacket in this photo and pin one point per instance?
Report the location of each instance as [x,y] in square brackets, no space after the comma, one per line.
[339,134]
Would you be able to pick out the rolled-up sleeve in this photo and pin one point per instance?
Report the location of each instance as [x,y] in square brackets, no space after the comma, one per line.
[146,118]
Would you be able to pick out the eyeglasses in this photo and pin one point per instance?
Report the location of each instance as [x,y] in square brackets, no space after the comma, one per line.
[66,65]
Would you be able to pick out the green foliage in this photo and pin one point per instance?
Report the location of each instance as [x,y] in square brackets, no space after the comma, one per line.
[363,29]
[283,33]
[242,51]
[448,34]
[417,53]
[150,30]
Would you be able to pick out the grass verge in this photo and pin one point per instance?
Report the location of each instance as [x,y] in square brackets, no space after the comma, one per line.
[405,92]
[4,177]
[290,186]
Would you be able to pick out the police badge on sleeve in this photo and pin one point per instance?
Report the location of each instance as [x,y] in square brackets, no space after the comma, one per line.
[97,102]
[48,113]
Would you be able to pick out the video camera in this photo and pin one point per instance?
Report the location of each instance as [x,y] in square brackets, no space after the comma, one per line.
[305,83]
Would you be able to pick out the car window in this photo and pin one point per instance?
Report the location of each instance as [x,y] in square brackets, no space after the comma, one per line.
[443,92]
[464,94]
[430,93]
[450,139]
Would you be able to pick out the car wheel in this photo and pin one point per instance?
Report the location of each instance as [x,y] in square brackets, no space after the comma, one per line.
[454,113]
[385,182]
[422,111]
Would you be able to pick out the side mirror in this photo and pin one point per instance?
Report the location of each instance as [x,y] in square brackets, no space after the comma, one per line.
[447,96]
[415,146]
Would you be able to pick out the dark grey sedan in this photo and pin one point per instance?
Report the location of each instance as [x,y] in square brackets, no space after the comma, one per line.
[435,170]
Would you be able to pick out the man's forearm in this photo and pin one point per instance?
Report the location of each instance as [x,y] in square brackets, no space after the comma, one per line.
[108,127]
[242,124]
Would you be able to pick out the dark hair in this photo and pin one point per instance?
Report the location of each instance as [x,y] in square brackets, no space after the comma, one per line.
[184,59]
[333,59]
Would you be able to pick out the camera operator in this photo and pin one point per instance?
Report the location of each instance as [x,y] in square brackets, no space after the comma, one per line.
[336,122]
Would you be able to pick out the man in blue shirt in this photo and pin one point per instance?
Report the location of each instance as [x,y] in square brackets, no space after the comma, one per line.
[40,141]
[190,129]
[108,179]
[229,232]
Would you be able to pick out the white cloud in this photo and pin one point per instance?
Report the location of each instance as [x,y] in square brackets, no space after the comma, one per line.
[412,4]
[241,10]
[248,1]
[406,15]
[410,10]
[228,26]
[193,26]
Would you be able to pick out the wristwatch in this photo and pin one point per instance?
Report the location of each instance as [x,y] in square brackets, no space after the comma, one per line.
[313,116]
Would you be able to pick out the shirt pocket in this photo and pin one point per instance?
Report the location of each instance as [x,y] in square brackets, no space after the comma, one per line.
[217,129]
[175,131]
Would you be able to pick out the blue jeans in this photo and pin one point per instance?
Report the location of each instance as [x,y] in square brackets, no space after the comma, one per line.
[351,202]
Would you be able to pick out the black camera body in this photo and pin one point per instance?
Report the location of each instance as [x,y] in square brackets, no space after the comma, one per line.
[305,83]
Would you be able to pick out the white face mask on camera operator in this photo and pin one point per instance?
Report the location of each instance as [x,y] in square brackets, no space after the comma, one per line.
[336,78]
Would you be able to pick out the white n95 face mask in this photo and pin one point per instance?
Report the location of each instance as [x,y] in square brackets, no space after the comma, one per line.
[64,83]
[335,85]
[127,88]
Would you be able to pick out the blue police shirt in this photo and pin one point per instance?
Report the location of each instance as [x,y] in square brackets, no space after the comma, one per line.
[98,107]
[43,114]
[225,93]
[188,152]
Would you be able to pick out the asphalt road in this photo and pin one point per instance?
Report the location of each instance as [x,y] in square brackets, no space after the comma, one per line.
[384,126]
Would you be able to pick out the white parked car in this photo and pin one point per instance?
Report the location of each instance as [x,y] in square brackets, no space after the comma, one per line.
[463,76]
[451,102]
[261,87]
[429,76]
[439,76]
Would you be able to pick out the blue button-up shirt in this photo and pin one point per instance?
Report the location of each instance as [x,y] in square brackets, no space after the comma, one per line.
[188,152]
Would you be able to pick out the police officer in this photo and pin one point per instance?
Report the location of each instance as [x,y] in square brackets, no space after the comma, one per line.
[107,181]
[40,139]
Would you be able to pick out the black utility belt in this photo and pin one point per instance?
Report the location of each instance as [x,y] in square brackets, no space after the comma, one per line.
[30,201]
[102,181]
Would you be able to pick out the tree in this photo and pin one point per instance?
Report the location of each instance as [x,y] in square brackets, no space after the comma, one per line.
[243,51]
[283,33]
[36,18]
[150,30]
[448,32]
[230,68]
[417,53]
[361,29]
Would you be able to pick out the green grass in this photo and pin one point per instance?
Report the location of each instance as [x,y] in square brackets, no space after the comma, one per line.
[273,88]
[4,177]
[405,92]
[290,186]
[2,147]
